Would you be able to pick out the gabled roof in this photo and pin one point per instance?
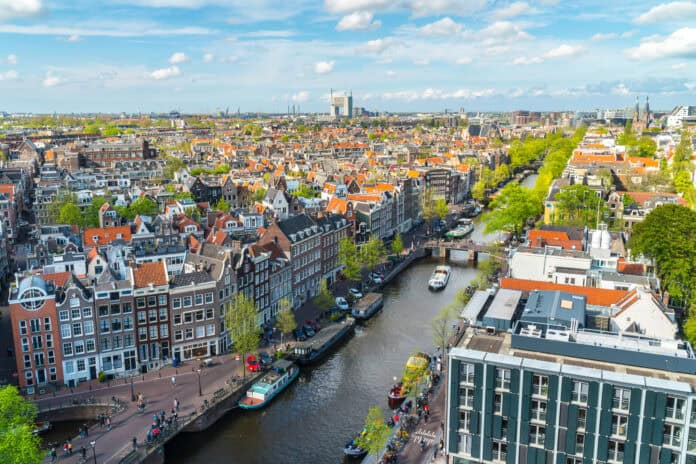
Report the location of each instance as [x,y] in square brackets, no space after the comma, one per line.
[106,235]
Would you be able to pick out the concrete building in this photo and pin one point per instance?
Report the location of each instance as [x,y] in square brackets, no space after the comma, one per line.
[341,106]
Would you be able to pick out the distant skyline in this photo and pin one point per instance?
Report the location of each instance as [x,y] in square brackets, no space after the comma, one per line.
[395,55]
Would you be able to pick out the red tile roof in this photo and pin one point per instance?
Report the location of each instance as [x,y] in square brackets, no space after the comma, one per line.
[106,235]
[150,273]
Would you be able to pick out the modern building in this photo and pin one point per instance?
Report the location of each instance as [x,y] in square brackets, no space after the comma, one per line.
[341,106]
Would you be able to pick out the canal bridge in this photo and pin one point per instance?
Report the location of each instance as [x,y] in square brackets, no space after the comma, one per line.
[457,249]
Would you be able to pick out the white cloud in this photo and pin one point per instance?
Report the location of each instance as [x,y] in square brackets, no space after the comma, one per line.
[629,34]
[421,62]
[678,66]
[416,7]
[73,38]
[12,59]
[512,10]
[324,67]
[390,73]
[674,11]
[165,73]
[501,31]
[115,30]
[8,75]
[178,58]
[438,94]
[604,36]
[228,59]
[208,57]
[564,51]
[681,43]
[464,60]
[445,26]
[526,60]
[51,80]
[378,46]
[10,9]
[621,89]
[269,33]
[301,97]
[358,21]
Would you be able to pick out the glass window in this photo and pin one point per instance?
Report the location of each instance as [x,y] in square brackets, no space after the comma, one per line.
[189,333]
[537,435]
[163,314]
[142,333]
[153,332]
[164,330]
[199,299]
[162,299]
[540,385]
[79,347]
[210,330]
[502,379]
[47,324]
[104,326]
[64,315]
[128,340]
[116,324]
[176,303]
[67,349]
[152,315]
[188,317]
[127,308]
[90,345]
[209,298]
[580,391]
[103,311]
[77,329]
[621,399]
[618,425]
[115,309]
[200,331]
[75,313]
[128,323]
[616,452]
[86,312]
[140,302]
[178,335]
[49,340]
[188,301]
[142,317]
[151,300]
[466,373]
[65,331]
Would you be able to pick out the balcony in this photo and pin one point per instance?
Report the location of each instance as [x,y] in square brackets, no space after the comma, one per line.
[618,458]
[538,415]
[673,441]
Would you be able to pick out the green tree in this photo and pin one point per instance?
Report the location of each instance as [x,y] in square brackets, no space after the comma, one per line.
[397,245]
[324,299]
[285,318]
[668,236]
[222,205]
[349,259]
[171,165]
[241,320]
[428,203]
[441,208]
[259,194]
[375,433]
[478,191]
[305,191]
[372,252]
[18,445]
[222,169]
[183,196]
[645,147]
[442,326]
[70,214]
[144,206]
[511,209]
[91,215]
[62,198]
[577,205]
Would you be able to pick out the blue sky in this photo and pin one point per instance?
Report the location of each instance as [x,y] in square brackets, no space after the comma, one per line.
[395,55]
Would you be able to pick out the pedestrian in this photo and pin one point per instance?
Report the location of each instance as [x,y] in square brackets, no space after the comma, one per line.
[173,381]
[162,415]
[135,443]
[69,448]
[83,452]
[108,423]
[65,448]
[52,454]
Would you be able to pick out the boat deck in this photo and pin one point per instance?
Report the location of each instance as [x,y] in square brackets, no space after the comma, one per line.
[249,401]
[323,336]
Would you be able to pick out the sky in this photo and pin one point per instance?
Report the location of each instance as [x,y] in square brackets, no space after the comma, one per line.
[394,55]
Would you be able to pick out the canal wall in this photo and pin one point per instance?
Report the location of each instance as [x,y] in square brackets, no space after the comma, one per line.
[70,412]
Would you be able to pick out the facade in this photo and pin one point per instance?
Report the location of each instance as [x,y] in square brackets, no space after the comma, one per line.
[334,227]
[114,309]
[151,296]
[253,278]
[105,154]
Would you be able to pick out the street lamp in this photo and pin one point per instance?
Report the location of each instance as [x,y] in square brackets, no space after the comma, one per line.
[132,390]
[200,391]
[94,450]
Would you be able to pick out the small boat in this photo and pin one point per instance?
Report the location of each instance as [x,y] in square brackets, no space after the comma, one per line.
[416,367]
[397,395]
[367,306]
[471,210]
[41,427]
[352,450]
[461,231]
[439,278]
[262,392]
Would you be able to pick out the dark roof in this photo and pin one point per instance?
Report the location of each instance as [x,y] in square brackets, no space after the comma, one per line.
[191,278]
[574,233]
[292,226]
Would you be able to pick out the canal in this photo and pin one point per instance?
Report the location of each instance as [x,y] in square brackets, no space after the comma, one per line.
[312,420]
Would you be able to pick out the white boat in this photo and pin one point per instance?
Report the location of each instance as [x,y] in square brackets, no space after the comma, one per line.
[439,278]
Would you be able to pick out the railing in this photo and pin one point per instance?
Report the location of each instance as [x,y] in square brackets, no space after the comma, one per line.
[621,405]
[674,414]
[466,401]
[538,415]
[671,440]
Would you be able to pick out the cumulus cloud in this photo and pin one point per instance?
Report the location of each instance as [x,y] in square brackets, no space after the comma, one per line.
[464,60]
[604,36]
[438,94]
[178,58]
[512,10]
[621,89]
[165,73]
[51,80]
[301,97]
[324,67]
[678,66]
[8,75]
[11,9]
[12,59]
[378,46]
[358,21]
[445,27]
[502,31]
[564,50]
[208,57]
[416,7]
[680,43]
[73,38]
[674,11]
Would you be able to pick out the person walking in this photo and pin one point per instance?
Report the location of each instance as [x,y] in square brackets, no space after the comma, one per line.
[173,382]
[108,423]
[83,452]
[69,448]
[135,443]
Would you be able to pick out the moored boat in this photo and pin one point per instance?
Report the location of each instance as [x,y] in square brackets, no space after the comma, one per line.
[367,306]
[461,231]
[397,395]
[439,278]
[41,427]
[416,367]
[282,374]
[352,449]
[310,352]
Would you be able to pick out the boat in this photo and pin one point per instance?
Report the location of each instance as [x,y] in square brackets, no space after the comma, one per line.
[352,450]
[416,367]
[282,374]
[41,427]
[306,353]
[439,278]
[471,210]
[461,231]
[367,306]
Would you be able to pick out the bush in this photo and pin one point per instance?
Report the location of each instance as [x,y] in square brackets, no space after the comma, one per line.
[101,376]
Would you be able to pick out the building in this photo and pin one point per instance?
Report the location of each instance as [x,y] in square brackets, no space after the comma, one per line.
[151,295]
[334,228]
[105,154]
[341,106]
[547,394]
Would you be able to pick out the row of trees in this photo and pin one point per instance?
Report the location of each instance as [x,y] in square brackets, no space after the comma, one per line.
[433,206]
[368,256]
[64,209]
[219,169]
[682,169]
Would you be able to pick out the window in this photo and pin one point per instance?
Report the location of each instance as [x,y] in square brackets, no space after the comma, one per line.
[502,379]
[69,367]
[466,373]
[79,347]
[104,326]
[621,399]
[47,324]
[672,435]
[466,398]
[35,326]
[618,425]
[27,361]
[540,385]
[142,317]
[579,443]
[65,331]
[105,344]
[616,452]
[164,331]
[90,346]
[538,411]
[499,451]
[49,340]
[580,390]
[675,408]
[464,421]
[176,303]
[25,345]
[87,312]
[162,300]
[153,332]
[465,444]
[189,333]
[178,335]
[127,308]
[187,301]
[177,319]
[140,303]
[582,418]
[152,315]
[209,313]
[115,309]
[37,342]
[63,315]
[188,317]
[163,314]
[77,329]
[88,327]
[128,340]
[116,324]
[116,342]
[537,435]
[209,298]
[198,299]
[75,313]
[210,330]
[142,333]
[151,300]
[200,331]
[103,311]
[67,349]
[128,323]
[200,315]
[498,403]
[81,365]
[39,359]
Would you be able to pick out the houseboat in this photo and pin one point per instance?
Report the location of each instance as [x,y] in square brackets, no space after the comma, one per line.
[439,278]
[416,367]
[464,228]
[367,306]
[282,374]
[312,351]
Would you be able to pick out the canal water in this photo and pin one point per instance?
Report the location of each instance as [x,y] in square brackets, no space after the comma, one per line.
[312,420]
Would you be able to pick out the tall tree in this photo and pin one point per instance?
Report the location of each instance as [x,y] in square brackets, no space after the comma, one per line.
[18,445]
[375,433]
[241,320]
[324,299]
[397,245]
[442,326]
[512,208]
[222,205]
[578,205]
[348,257]
[441,208]
[285,318]
[143,206]
[70,214]
[91,216]
[372,252]
[428,205]
[62,198]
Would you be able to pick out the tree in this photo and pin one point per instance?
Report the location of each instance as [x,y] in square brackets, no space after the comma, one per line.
[375,433]
[428,203]
[18,445]
[259,194]
[70,214]
[285,318]
[183,196]
[144,206]
[372,252]
[62,198]
[304,191]
[241,320]
[478,191]
[441,208]
[193,213]
[324,299]
[91,215]
[512,208]
[577,205]
[349,259]
[222,205]
[397,245]
[442,326]
[668,236]
[171,165]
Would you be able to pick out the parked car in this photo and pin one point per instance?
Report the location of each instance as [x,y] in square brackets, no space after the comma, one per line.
[252,363]
[376,278]
[355,293]
[314,324]
[342,303]
[265,358]
[308,330]
[300,335]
